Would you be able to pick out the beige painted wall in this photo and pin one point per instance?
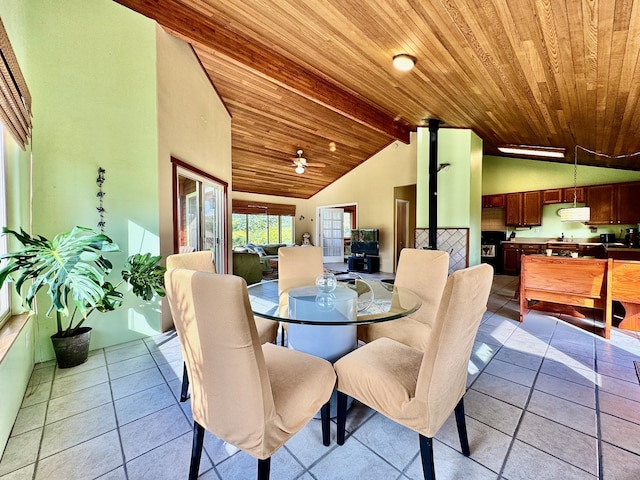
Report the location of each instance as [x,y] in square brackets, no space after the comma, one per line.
[371,186]
[193,126]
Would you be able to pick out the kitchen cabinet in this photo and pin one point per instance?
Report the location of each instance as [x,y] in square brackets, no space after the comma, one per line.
[493,201]
[562,195]
[627,200]
[567,195]
[551,196]
[512,251]
[523,209]
[600,200]
[614,203]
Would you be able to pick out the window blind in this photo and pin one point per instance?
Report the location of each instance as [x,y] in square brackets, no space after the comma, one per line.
[252,207]
[15,100]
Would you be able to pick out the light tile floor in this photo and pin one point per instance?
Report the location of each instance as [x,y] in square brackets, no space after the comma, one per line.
[546,401]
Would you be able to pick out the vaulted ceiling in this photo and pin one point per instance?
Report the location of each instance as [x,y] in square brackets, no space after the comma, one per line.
[316,75]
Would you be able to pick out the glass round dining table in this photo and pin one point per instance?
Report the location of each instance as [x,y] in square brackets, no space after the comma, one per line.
[376,301]
[324,323]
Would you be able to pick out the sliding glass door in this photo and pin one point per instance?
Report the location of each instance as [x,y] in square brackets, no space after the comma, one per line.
[200,205]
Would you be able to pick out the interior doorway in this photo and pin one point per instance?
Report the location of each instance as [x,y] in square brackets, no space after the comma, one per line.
[334,224]
[402,227]
[404,221]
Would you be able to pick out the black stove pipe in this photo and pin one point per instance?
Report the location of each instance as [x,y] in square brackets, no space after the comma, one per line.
[434,126]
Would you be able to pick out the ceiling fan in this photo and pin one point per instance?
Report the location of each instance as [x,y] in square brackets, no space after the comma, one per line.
[301,163]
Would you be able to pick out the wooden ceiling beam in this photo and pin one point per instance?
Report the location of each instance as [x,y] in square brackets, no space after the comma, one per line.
[203,32]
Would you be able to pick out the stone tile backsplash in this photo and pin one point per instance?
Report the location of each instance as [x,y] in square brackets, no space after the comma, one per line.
[454,241]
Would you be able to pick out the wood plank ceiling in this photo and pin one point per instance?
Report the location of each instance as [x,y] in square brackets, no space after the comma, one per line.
[317,75]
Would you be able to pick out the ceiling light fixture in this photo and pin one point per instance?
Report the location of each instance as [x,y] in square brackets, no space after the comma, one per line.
[575,214]
[300,169]
[404,62]
[534,151]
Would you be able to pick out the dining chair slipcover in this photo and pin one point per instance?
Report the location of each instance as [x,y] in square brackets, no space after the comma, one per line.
[198,261]
[251,396]
[202,261]
[424,272]
[420,388]
[297,267]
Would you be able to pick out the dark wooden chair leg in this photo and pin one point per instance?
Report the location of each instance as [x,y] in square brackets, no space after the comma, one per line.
[196,450]
[342,417]
[426,453]
[325,415]
[264,468]
[184,394]
[462,428]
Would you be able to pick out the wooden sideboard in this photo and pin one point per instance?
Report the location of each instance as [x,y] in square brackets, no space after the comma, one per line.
[561,282]
[564,281]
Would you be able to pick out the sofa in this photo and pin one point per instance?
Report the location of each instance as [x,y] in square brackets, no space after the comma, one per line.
[246,264]
[266,253]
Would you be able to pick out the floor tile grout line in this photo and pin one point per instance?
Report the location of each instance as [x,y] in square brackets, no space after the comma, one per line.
[115,415]
[49,398]
[367,446]
[598,419]
[519,423]
[177,400]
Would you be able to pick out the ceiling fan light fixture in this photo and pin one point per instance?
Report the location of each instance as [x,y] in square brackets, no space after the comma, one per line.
[300,169]
[534,151]
[404,62]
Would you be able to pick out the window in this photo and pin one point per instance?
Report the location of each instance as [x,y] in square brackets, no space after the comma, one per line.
[262,224]
[261,229]
[200,213]
[5,305]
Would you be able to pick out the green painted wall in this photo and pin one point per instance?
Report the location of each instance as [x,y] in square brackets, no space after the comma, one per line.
[459,187]
[16,368]
[92,75]
[505,175]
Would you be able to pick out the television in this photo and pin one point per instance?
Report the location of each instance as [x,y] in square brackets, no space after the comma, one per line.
[364,241]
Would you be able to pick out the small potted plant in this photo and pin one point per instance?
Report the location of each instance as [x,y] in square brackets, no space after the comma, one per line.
[73,271]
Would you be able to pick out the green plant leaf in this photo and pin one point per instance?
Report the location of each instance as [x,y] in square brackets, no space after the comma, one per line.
[145,275]
[70,268]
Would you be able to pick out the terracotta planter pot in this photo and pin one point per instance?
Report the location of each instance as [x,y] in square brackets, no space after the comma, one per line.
[72,351]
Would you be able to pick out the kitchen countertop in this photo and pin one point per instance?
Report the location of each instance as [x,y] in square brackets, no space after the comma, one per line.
[622,249]
[544,241]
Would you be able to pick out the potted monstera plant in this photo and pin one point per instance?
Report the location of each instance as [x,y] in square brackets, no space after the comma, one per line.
[73,270]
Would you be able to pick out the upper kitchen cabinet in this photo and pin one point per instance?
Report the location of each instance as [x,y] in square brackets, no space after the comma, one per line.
[567,195]
[562,195]
[553,195]
[523,209]
[628,200]
[600,199]
[614,203]
[492,201]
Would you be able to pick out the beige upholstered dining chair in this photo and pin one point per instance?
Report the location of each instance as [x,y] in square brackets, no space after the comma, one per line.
[424,272]
[253,397]
[203,262]
[297,267]
[419,388]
